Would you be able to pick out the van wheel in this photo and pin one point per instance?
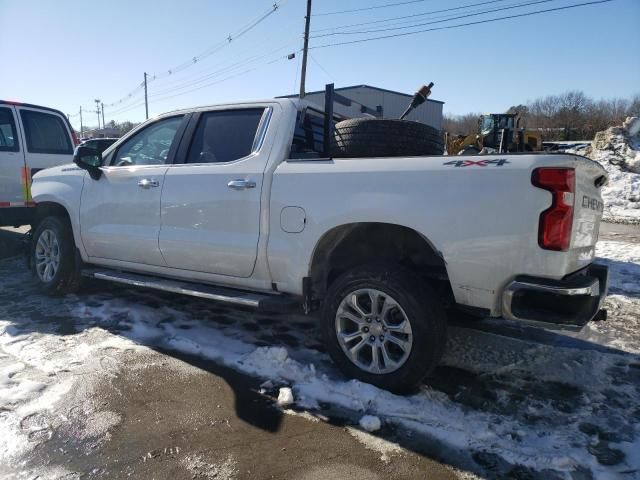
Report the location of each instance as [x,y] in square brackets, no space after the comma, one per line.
[53,257]
[385,326]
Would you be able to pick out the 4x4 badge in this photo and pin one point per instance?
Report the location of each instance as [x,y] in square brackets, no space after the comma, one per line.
[477,163]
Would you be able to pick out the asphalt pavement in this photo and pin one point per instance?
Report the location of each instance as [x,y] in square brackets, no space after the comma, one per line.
[171,415]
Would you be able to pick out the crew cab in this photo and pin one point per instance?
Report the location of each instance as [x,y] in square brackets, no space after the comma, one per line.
[241,203]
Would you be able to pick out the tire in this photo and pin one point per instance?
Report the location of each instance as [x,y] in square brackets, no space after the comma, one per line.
[416,303]
[366,137]
[470,150]
[64,275]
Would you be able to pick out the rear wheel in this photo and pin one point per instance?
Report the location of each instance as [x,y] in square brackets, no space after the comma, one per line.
[384,326]
[53,258]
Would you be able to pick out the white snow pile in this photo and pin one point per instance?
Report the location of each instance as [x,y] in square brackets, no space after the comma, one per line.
[285,397]
[370,423]
[617,149]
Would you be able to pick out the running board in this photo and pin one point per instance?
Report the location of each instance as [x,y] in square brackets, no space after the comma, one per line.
[261,301]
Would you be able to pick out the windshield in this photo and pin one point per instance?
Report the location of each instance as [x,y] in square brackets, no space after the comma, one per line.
[487,125]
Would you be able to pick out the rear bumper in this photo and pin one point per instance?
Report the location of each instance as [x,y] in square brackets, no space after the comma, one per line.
[16,216]
[567,304]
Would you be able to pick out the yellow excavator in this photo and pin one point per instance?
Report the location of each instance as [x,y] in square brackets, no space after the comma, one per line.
[497,133]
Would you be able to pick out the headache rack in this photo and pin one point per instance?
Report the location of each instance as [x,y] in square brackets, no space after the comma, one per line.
[314,127]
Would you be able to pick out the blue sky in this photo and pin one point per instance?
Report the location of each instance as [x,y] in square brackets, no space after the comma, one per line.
[66,54]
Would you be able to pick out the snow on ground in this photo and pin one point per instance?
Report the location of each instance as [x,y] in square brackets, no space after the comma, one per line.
[621,195]
[498,405]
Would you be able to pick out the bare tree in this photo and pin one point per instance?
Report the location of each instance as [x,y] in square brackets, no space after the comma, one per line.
[634,106]
[567,116]
[461,124]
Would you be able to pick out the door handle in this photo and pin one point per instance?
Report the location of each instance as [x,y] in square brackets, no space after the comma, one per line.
[241,184]
[147,183]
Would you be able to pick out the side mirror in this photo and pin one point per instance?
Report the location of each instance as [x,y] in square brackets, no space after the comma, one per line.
[88,159]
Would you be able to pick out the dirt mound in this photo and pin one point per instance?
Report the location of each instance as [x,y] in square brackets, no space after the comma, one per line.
[618,145]
[617,149]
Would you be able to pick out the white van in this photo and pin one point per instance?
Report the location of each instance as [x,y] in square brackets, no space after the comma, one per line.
[31,138]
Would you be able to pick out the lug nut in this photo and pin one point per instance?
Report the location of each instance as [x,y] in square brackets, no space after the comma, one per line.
[368,320]
[372,338]
[378,319]
[365,329]
[382,338]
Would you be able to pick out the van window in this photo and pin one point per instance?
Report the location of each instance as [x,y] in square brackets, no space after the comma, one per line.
[8,135]
[224,136]
[45,133]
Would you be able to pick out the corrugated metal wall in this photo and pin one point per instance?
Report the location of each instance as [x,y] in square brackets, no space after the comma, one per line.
[393,104]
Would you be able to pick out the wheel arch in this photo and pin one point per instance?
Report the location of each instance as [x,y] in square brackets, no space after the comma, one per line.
[354,244]
[48,209]
[53,207]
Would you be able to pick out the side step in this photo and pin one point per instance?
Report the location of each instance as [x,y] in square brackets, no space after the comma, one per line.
[262,301]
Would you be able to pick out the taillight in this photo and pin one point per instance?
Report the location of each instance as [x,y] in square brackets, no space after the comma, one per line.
[76,142]
[554,231]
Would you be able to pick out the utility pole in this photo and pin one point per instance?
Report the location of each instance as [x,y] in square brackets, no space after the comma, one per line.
[303,75]
[102,105]
[97,100]
[81,127]
[146,101]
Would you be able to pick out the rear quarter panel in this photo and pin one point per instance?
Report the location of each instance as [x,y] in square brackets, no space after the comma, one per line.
[481,217]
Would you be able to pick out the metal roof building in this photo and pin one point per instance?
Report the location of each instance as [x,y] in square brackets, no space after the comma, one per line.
[365,100]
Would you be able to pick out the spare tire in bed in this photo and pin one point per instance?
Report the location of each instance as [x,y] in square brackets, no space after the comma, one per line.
[368,137]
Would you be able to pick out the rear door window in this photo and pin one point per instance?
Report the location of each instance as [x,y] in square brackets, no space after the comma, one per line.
[308,136]
[225,136]
[8,134]
[45,133]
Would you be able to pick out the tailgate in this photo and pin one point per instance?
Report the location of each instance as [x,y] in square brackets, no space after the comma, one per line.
[588,207]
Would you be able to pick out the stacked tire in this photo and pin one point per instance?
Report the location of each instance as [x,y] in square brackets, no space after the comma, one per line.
[366,137]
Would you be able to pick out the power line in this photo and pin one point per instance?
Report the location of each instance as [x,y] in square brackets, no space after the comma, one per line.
[225,69]
[224,79]
[422,14]
[158,98]
[447,27]
[211,70]
[204,54]
[127,96]
[484,12]
[196,79]
[386,5]
[218,46]
[320,66]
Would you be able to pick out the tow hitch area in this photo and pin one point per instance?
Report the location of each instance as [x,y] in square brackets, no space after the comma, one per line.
[567,304]
[601,316]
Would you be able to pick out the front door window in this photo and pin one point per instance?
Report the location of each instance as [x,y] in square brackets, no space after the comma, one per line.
[150,146]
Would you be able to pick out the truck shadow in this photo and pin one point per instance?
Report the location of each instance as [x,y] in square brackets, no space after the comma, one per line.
[624,277]
[507,387]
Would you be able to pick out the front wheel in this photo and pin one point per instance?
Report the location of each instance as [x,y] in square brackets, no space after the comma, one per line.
[384,326]
[53,259]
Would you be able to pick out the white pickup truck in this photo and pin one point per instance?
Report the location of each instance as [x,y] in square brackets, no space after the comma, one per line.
[238,203]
